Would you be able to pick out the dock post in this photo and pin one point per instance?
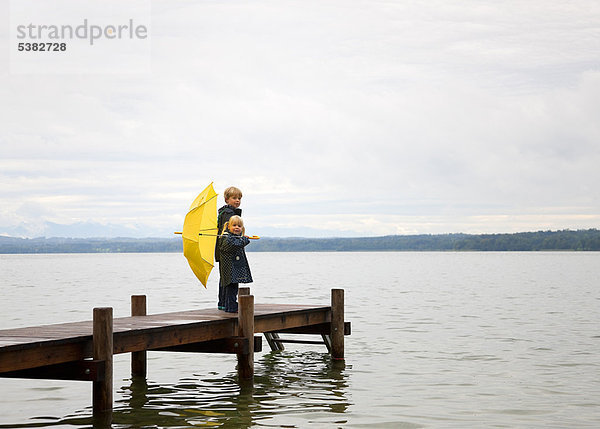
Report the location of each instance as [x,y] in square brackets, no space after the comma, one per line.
[246,329]
[243,290]
[102,397]
[138,359]
[337,324]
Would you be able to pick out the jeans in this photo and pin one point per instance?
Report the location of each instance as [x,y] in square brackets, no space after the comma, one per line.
[231,292]
[221,303]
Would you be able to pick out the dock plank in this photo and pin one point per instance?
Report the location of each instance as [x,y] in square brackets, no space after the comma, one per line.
[29,347]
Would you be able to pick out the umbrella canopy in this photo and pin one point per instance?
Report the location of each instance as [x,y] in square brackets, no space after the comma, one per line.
[200,233]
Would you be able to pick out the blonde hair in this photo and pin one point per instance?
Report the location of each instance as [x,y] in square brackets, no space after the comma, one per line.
[234,220]
[232,191]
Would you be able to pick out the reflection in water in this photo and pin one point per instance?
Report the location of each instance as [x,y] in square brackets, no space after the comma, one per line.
[284,383]
[289,388]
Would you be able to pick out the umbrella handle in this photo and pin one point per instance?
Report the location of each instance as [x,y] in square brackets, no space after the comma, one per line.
[251,237]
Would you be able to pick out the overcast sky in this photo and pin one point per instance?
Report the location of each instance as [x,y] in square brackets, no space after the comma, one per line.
[333,117]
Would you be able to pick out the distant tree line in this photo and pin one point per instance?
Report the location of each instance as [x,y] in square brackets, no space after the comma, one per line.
[89,245]
[580,240]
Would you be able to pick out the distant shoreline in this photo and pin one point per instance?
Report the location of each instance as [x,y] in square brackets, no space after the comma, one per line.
[564,240]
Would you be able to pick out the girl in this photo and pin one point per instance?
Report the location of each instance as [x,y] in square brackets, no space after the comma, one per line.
[233,264]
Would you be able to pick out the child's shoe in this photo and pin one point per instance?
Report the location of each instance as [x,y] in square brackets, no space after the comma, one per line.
[231,310]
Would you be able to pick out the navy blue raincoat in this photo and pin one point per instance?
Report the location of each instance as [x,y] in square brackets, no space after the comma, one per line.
[233,264]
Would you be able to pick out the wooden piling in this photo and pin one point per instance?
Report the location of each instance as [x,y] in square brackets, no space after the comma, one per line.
[102,397]
[244,290]
[337,324]
[138,359]
[246,330]
[273,341]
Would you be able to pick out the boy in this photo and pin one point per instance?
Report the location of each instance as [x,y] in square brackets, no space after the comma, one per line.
[233,199]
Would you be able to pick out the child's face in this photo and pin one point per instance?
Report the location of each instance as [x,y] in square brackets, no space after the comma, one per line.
[234,201]
[236,228]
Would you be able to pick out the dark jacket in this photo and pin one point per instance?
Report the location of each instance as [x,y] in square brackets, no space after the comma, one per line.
[233,266]
[224,214]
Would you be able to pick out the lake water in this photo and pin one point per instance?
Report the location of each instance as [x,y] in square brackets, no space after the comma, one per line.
[439,340]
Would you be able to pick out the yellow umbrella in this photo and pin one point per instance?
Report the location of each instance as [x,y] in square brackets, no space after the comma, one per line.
[200,233]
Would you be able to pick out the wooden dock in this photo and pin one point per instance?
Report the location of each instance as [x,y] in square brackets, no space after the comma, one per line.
[84,350]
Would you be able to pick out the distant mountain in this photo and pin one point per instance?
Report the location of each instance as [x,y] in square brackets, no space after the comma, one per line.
[581,240]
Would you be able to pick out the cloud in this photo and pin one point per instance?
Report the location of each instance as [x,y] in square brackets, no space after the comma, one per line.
[356,117]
